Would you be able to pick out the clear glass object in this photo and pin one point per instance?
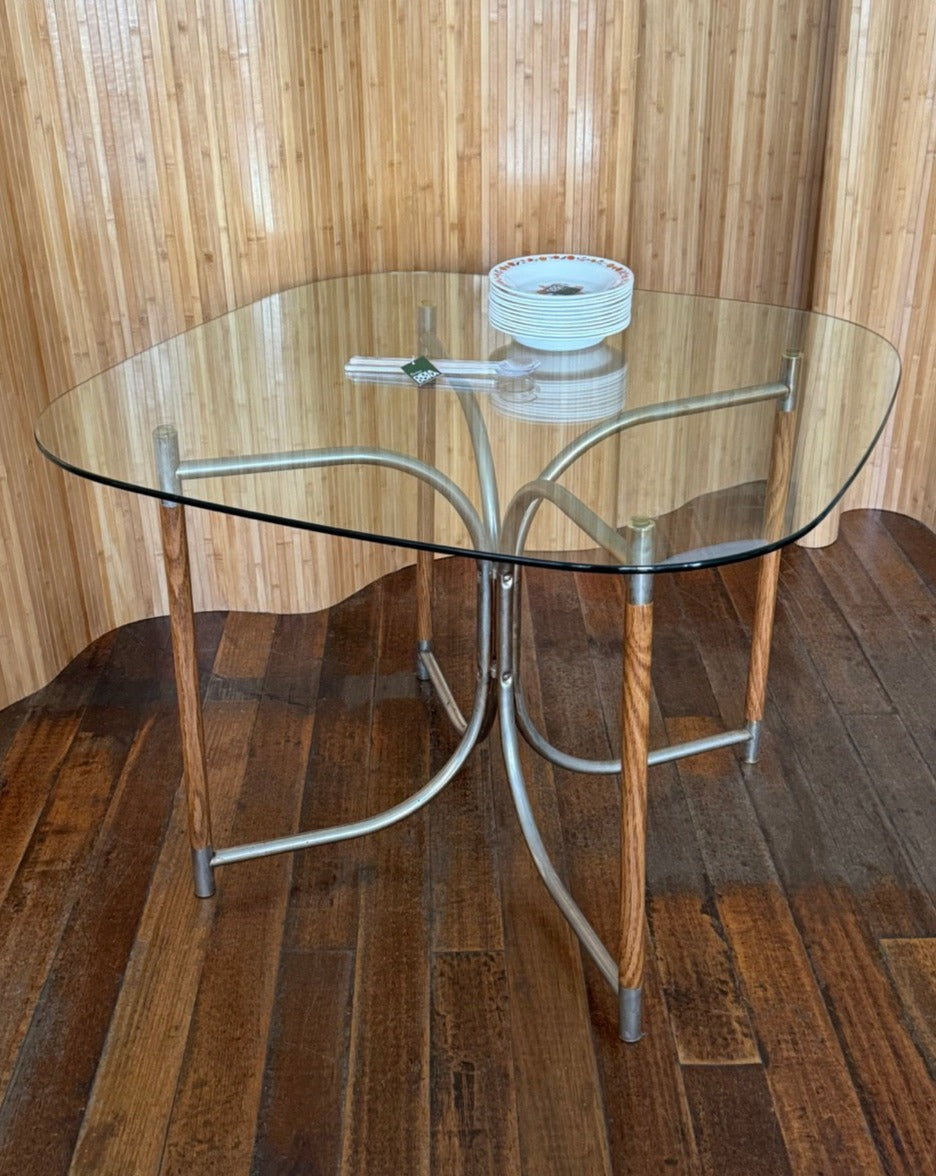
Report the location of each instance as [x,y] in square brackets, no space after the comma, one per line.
[555,452]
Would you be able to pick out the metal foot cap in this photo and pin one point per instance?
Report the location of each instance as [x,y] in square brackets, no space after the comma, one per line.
[752,747]
[202,872]
[630,1014]
[422,670]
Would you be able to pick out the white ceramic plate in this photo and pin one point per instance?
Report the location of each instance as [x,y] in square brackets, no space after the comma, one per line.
[561,275]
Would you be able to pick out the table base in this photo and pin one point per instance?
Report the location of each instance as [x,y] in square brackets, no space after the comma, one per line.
[497,688]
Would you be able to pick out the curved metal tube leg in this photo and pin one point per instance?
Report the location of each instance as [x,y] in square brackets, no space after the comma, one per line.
[382,820]
[405,808]
[487,658]
[541,745]
[430,670]
[508,580]
[173,471]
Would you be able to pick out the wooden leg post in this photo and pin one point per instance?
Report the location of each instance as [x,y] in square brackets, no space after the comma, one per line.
[182,623]
[425,447]
[638,632]
[778,489]
[764,609]
[635,724]
[423,610]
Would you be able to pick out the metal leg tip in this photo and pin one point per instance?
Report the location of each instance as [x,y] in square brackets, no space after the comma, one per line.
[752,747]
[202,872]
[630,1014]
[422,671]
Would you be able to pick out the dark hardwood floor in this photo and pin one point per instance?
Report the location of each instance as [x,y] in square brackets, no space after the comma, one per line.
[413,1003]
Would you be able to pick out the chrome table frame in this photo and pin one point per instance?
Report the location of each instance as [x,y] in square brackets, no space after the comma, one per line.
[496,542]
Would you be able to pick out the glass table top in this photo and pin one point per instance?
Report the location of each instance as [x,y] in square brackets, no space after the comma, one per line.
[296,409]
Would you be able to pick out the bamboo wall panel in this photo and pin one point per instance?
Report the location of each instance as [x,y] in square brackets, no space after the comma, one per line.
[181,159]
[876,259]
[42,597]
[730,125]
[165,162]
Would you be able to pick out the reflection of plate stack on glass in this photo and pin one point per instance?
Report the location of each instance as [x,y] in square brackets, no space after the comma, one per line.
[560,308]
[575,386]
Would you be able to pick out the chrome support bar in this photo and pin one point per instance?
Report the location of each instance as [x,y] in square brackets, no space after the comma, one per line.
[429,670]
[707,402]
[659,755]
[562,759]
[677,751]
[528,498]
[308,459]
[516,529]
[257,849]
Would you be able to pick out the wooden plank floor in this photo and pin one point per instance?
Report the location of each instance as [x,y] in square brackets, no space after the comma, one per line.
[413,1003]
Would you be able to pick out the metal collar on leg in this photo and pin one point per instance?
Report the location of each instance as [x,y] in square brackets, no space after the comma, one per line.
[586,934]
[640,535]
[789,372]
[166,451]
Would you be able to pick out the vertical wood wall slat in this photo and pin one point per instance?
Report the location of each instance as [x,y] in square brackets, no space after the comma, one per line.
[876,252]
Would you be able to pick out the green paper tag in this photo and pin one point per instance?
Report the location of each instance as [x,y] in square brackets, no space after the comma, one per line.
[421,370]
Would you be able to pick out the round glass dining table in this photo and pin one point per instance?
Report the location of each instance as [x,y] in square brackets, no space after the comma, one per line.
[386,407]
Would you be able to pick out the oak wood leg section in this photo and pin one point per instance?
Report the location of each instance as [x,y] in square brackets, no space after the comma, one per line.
[764,609]
[638,634]
[425,447]
[778,489]
[182,624]
[423,609]
[426,508]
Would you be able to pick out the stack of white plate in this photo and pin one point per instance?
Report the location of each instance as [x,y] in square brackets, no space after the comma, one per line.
[560,301]
[573,386]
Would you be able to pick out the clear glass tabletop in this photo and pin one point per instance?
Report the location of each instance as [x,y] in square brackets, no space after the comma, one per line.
[296,409]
